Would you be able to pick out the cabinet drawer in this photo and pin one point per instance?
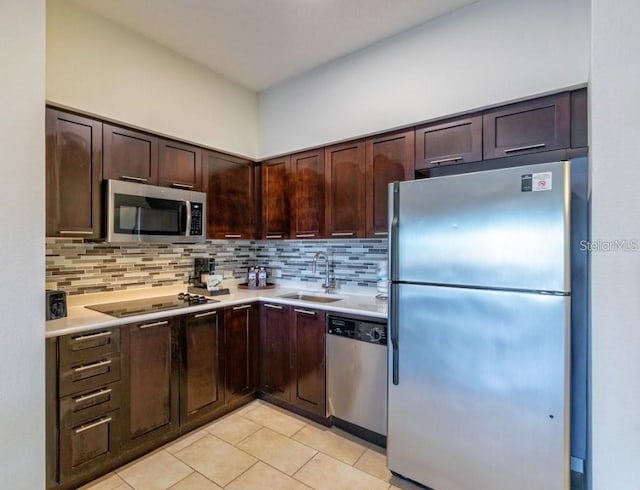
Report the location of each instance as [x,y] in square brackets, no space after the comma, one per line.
[88,346]
[89,404]
[86,446]
[79,377]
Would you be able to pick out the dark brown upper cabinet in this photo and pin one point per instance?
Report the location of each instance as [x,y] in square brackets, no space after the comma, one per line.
[73,175]
[579,119]
[275,198]
[532,126]
[229,184]
[457,140]
[345,190]
[307,194]
[179,165]
[389,158]
[130,155]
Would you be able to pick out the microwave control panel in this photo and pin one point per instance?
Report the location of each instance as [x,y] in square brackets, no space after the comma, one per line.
[196,219]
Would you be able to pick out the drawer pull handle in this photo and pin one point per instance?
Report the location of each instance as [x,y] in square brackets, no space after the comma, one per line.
[73,232]
[92,336]
[92,366]
[275,307]
[306,235]
[208,313]
[243,307]
[274,236]
[84,398]
[97,423]
[134,179]
[180,185]
[155,324]
[305,312]
[445,160]
[523,148]
[381,233]
[342,233]
[233,235]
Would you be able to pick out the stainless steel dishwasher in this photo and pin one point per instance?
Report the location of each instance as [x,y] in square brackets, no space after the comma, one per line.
[357,376]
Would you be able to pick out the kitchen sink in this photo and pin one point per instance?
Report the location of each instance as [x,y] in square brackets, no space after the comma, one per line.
[310,297]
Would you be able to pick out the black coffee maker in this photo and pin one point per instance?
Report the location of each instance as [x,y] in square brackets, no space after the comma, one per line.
[202,268]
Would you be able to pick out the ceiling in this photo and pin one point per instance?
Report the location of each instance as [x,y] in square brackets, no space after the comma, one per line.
[259,43]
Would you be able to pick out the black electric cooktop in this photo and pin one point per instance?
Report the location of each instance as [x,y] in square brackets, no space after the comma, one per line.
[121,309]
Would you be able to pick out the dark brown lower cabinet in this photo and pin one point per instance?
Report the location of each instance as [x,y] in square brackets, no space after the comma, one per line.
[150,381]
[241,351]
[275,351]
[292,358]
[201,365]
[87,446]
[309,381]
[115,393]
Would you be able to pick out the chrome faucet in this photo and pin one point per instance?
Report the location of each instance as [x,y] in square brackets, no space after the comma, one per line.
[329,283]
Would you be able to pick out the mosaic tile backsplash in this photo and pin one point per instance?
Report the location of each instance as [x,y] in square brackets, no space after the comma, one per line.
[78,267]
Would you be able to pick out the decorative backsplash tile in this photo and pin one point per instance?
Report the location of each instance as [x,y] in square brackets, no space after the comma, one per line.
[80,267]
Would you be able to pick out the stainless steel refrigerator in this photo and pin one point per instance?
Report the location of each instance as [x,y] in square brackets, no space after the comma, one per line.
[480,329]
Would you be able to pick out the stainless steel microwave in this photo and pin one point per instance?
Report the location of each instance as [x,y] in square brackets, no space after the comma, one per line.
[148,213]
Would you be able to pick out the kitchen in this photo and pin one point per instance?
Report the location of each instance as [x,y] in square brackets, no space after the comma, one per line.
[612,339]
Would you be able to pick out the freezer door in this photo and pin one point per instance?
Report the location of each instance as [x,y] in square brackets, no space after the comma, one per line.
[505,228]
[482,400]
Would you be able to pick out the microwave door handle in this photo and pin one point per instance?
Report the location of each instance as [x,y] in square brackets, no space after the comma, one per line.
[188,230]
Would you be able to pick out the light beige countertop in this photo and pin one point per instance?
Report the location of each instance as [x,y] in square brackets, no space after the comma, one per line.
[81,319]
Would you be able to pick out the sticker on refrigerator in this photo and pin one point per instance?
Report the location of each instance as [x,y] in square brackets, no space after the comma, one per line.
[542,181]
[525,183]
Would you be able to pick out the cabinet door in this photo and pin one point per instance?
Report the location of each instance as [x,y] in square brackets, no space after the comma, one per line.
[309,383]
[389,158]
[150,381]
[73,175]
[229,184]
[275,350]
[241,351]
[307,193]
[527,127]
[275,198]
[130,155]
[179,165]
[202,369]
[579,119]
[448,142]
[345,188]
[89,445]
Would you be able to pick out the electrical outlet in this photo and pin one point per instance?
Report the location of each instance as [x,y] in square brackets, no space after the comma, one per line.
[227,274]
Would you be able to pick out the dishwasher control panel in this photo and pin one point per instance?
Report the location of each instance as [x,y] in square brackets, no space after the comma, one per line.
[364,331]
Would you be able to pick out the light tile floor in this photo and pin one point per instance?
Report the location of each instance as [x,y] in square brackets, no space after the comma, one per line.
[259,446]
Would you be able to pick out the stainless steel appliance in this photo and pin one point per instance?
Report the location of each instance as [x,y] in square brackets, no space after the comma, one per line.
[357,376]
[121,309]
[148,213]
[481,327]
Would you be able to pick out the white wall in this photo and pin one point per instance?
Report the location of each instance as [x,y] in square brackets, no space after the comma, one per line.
[22,244]
[96,66]
[615,109]
[487,53]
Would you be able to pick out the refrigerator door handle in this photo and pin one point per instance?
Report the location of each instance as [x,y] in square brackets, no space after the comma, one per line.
[394,232]
[393,293]
[393,332]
